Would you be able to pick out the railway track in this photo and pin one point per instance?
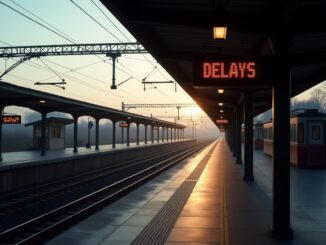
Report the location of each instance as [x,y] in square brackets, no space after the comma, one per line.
[10,202]
[44,226]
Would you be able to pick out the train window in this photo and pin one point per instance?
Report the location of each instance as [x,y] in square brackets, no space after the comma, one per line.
[300,133]
[55,132]
[315,132]
[38,131]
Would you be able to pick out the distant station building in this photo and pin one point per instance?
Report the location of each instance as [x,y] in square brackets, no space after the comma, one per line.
[55,133]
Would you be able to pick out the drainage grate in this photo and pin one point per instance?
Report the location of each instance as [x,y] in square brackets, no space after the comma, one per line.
[158,230]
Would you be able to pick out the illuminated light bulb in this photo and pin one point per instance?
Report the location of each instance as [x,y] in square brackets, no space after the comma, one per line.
[219,32]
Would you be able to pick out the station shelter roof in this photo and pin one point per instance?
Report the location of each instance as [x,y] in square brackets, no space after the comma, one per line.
[176,31]
[48,120]
[45,102]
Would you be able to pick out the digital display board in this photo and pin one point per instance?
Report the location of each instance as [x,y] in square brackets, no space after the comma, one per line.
[12,119]
[123,125]
[226,72]
[222,121]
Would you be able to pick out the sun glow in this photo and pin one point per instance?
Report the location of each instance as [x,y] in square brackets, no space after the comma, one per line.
[194,111]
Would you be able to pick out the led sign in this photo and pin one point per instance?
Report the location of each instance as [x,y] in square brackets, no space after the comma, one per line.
[222,121]
[229,70]
[226,72]
[123,125]
[12,119]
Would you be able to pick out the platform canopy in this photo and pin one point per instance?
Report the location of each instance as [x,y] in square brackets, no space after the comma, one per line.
[175,32]
[45,102]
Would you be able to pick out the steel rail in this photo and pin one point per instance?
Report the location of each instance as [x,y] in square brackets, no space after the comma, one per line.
[78,180]
[125,185]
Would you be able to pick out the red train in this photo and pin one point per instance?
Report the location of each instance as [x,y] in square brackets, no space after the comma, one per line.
[307,138]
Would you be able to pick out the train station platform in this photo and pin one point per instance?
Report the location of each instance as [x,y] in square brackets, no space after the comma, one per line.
[205,201]
[28,168]
[21,158]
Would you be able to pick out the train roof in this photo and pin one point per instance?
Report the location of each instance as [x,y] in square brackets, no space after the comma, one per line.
[304,113]
[307,113]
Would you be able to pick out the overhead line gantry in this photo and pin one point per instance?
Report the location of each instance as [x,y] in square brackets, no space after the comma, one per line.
[112,50]
[126,107]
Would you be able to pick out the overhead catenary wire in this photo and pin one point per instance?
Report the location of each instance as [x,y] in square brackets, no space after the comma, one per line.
[56,73]
[95,20]
[122,34]
[35,21]
[85,83]
[70,39]
[44,21]
[110,20]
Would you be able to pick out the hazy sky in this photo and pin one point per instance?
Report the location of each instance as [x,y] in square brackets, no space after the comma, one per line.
[88,77]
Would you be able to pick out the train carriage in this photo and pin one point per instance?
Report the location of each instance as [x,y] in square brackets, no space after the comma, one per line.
[307,138]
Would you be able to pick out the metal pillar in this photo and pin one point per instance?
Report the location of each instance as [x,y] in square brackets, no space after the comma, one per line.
[97,134]
[137,133]
[171,134]
[122,136]
[234,135]
[1,110]
[43,130]
[113,133]
[167,133]
[248,158]
[175,134]
[238,135]
[146,134]
[163,134]
[75,133]
[113,57]
[152,133]
[158,134]
[128,132]
[281,150]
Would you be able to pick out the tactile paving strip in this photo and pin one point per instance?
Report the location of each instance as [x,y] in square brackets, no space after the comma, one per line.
[158,230]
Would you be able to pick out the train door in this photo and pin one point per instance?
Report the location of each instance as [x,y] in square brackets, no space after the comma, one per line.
[316,154]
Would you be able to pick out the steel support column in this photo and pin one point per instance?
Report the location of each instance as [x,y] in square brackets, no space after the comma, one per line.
[175,134]
[281,150]
[163,134]
[248,158]
[122,135]
[97,134]
[152,133]
[1,110]
[234,135]
[146,134]
[158,134]
[43,133]
[137,133]
[167,133]
[113,133]
[75,133]
[128,134]
[238,135]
